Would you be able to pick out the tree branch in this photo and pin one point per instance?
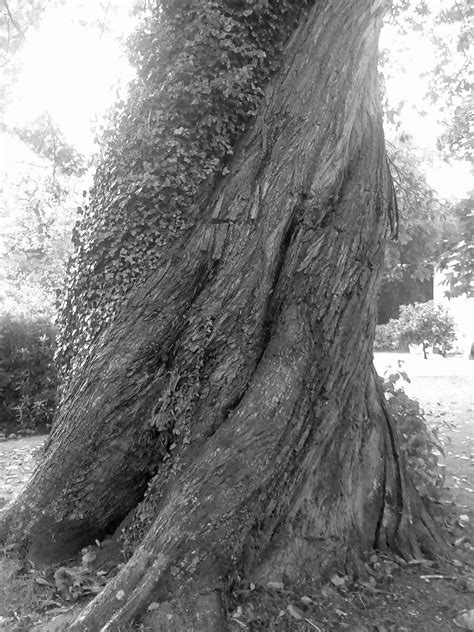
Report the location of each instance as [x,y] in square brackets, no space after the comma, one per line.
[13,20]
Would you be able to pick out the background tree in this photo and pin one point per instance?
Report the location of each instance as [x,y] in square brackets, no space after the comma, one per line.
[44,174]
[218,325]
[39,201]
[428,325]
[428,226]
[456,139]
[431,110]
[426,222]
[447,30]
[458,260]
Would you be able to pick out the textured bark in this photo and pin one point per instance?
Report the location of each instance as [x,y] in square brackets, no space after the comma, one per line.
[237,383]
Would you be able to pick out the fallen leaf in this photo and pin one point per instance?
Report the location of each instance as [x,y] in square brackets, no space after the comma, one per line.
[295,612]
[120,595]
[370,587]
[50,603]
[466,620]
[153,606]
[421,561]
[43,582]
[337,580]
[328,592]
[277,585]
[88,556]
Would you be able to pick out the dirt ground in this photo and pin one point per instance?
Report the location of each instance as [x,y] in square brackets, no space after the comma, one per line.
[17,460]
[395,596]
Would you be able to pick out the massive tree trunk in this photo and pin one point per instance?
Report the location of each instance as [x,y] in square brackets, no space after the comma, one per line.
[231,408]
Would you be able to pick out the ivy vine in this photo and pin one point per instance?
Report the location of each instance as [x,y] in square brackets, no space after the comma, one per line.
[202,67]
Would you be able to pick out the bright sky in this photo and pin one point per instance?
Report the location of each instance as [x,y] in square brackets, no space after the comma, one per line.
[70,71]
[73,73]
[413,57]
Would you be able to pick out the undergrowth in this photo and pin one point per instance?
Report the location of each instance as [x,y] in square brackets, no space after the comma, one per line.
[28,379]
[420,444]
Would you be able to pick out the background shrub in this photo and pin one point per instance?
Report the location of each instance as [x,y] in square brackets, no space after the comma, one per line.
[28,380]
[424,324]
[427,324]
[387,337]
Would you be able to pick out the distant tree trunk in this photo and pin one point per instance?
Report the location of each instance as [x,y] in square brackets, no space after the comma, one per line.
[236,386]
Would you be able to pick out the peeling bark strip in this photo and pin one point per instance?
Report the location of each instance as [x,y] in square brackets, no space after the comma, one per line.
[238,382]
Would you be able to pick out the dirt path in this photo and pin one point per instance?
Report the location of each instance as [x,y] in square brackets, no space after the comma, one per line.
[17,461]
[448,400]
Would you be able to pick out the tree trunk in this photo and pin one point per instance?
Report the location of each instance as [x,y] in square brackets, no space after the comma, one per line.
[236,386]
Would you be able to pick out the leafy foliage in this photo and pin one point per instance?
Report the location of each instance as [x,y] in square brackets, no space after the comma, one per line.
[202,68]
[16,18]
[448,29]
[387,337]
[425,223]
[451,80]
[38,209]
[426,227]
[427,324]
[28,381]
[27,374]
[456,141]
[46,140]
[420,323]
[459,258]
[420,445]
[407,14]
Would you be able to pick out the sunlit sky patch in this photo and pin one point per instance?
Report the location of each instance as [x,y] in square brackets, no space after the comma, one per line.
[72,73]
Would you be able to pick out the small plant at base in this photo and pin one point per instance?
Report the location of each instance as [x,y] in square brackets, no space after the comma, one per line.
[420,445]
